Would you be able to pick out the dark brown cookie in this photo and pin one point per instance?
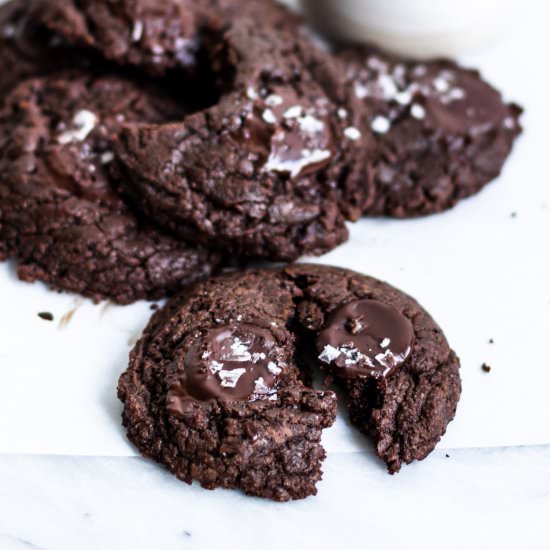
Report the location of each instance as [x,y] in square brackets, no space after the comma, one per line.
[215,389]
[28,49]
[400,378]
[154,36]
[441,133]
[60,212]
[260,169]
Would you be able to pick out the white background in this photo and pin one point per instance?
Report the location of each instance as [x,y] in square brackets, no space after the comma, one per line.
[482,273]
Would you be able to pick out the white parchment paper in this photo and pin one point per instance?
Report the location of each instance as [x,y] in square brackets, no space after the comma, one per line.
[482,270]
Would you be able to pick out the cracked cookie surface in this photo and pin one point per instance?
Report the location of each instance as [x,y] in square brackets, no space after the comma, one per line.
[402,395]
[257,167]
[213,391]
[281,142]
[260,169]
[440,133]
[61,214]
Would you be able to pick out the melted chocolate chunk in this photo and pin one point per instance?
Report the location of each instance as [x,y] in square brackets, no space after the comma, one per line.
[302,142]
[230,363]
[366,338]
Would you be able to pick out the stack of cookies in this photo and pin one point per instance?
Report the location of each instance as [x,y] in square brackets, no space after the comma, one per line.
[146,146]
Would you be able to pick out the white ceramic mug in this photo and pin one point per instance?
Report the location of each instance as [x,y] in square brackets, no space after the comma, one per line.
[418,28]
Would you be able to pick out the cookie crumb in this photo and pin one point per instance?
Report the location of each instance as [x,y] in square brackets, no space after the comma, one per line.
[485,367]
[46,315]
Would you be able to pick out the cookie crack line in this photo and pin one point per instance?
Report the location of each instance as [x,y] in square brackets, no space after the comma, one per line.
[217,389]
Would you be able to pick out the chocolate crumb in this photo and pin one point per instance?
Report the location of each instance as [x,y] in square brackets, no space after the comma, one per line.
[485,367]
[46,315]
[491,341]
[448,456]
[153,307]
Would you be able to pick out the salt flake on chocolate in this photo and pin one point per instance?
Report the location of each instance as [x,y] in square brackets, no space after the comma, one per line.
[329,354]
[311,124]
[137,31]
[417,111]
[230,378]
[83,122]
[380,124]
[352,133]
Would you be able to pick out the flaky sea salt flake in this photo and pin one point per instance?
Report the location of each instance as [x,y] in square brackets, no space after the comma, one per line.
[352,133]
[329,354]
[83,122]
[380,124]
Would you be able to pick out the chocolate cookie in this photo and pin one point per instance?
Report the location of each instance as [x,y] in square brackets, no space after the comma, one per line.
[284,142]
[260,169]
[61,214]
[28,49]
[154,36]
[441,132]
[217,391]
[400,378]
[213,391]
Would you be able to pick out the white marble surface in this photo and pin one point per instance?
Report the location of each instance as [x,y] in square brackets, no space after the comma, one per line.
[473,499]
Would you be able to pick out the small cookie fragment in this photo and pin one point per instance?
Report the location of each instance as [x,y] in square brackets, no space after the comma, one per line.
[46,316]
